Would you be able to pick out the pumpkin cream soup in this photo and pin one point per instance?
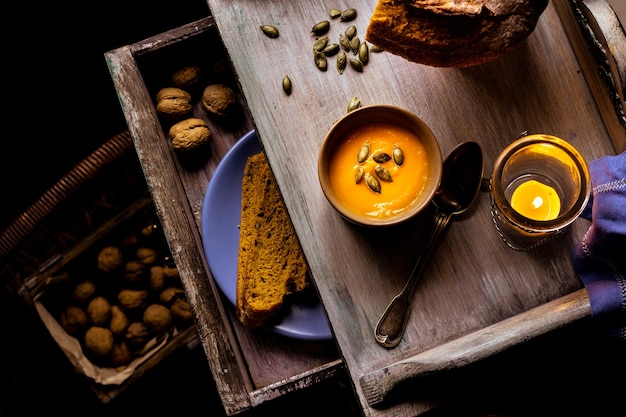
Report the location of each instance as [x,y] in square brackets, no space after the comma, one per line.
[379,170]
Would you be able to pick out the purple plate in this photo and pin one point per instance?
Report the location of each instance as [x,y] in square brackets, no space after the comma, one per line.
[221,215]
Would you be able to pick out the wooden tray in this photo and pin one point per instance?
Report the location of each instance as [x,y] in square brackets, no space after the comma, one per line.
[477,297]
[474,285]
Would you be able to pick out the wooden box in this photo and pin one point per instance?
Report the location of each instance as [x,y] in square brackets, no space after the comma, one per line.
[249,367]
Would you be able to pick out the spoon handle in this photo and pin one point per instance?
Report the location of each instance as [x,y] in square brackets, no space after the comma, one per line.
[392,324]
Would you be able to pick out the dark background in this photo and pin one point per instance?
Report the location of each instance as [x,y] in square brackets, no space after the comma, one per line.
[59,95]
[60,105]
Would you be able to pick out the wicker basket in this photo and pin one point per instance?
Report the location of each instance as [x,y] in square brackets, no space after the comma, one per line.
[99,199]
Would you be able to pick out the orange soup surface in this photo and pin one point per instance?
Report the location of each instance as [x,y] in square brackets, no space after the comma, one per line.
[408,179]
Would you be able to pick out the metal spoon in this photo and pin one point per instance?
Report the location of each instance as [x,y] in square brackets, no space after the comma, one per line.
[460,183]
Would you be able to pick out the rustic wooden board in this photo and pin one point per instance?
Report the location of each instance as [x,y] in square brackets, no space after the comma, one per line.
[473,280]
[243,362]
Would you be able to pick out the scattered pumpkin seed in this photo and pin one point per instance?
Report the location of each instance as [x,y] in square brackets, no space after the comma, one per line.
[354,44]
[383,173]
[320,43]
[375,48]
[381,157]
[356,64]
[334,13]
[320,60]
[344,42]
[364,152]
[321,28]
[331,49]
[342,60]
[398,155]
[358,174]
[364,53]
[287,84]
[348,15]
[354,104]
[270,31]
[350,32]
[372,182]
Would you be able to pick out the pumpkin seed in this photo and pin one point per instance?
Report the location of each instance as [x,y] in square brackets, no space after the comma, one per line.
[350,32]
[287,84]
[372,182]
[356,64]
[334,13]
[331,50]
[398,155]
[375,48]
[354,104]
[344,42]
[270,31]
[381,157]
[358,174]
[320,60]
[342,60]
[364,53]
[321,28]
[364,152]
[348,15]
[320,43]
[383,173]
[354,44]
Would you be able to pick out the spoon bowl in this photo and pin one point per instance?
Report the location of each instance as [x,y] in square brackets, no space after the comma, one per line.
[460,183]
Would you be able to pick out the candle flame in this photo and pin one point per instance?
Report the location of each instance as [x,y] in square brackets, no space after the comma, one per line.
[537,202]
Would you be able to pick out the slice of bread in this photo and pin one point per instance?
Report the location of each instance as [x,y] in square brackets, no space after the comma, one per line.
[271,265]
[452,33]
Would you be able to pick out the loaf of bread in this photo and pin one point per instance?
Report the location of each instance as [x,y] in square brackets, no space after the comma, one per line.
[452,33]
[271,266]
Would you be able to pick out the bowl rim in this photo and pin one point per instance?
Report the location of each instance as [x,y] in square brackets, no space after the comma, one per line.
[432,146]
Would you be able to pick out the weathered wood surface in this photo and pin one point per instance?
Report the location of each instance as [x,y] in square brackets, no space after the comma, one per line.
[473,279]
[243,362]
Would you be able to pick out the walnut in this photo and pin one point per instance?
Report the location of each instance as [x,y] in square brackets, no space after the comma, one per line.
[134,272]
[187,78]
[147,256]
[170,294]
[119,321]
[99,311]
[189,134]
[137,335]
[110,258]
[159,275]
[181,311]
[218,99]
[73,320]
[157,318]
[83,292]
[132,299]
[120,354]
[173,103]
[98,341]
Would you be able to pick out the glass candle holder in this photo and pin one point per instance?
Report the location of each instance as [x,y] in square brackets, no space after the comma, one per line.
[539,185]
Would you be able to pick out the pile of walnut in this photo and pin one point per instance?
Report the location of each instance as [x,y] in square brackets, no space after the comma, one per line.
[131,297]
[175,105]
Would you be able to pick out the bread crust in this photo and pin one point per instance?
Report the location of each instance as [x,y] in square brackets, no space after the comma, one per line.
[452,33]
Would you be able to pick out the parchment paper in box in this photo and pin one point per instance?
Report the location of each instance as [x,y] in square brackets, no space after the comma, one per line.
[74,352]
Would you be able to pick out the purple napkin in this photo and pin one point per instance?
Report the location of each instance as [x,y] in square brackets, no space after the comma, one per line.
[600,258]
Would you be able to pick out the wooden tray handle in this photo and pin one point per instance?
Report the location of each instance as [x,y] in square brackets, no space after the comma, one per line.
[379,386]
[62,189]
[606,40]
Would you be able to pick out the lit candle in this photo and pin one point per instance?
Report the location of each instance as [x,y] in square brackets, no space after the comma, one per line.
[536,201]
